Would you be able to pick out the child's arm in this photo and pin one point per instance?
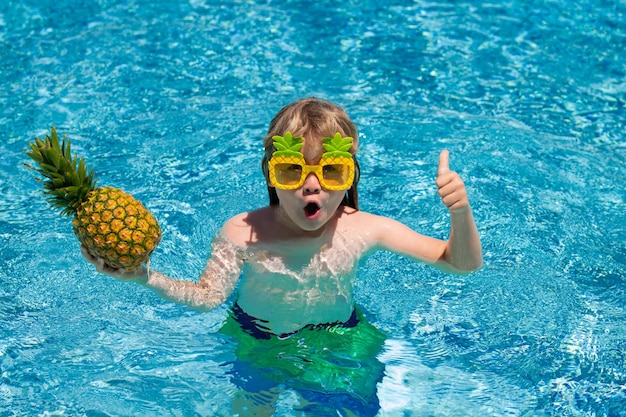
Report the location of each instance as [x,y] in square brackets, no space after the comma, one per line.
[461,253]
[215,285]
[463,250]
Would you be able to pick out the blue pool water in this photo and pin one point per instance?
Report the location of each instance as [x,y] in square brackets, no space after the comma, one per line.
[169,100]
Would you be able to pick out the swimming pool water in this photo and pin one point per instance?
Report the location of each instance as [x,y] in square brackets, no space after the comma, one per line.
[169,100]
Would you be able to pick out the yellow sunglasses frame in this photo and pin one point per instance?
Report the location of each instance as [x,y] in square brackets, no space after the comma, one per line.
[307,169]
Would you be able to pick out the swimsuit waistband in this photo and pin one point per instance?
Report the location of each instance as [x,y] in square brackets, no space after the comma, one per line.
[257,327]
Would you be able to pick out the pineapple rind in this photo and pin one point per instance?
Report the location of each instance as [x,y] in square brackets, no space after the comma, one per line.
[116,227]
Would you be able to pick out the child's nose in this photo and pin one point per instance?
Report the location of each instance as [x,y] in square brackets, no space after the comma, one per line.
[312,184]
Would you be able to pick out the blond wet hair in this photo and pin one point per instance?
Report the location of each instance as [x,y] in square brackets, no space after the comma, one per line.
[312,119]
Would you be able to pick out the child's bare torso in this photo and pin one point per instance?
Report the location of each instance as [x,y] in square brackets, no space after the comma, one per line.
[291,279]
[293,283]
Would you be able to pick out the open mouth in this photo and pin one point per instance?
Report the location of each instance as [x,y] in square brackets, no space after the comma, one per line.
[311,210]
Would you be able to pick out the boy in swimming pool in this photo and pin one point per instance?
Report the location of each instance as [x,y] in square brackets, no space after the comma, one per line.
[293,262]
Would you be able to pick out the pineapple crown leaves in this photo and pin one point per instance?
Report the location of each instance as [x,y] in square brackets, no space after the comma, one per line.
[337,146]
[67,180]
[288,145]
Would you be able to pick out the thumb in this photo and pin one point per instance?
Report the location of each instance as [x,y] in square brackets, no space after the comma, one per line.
[444,163]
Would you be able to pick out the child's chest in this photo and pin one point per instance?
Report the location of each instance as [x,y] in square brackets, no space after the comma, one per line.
[332,256]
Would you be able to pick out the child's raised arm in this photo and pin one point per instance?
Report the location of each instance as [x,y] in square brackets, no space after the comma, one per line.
[464,250]
[461,253]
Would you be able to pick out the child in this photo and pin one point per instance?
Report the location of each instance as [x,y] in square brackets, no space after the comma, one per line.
[293,262]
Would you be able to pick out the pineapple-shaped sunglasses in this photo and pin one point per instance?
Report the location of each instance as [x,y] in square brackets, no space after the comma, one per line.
[110,223]
[288,169]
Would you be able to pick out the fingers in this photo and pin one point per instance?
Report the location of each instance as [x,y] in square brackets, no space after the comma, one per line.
[450,186]
[444,175]
[90,258]
[444,163]
[103,268]
[453,195]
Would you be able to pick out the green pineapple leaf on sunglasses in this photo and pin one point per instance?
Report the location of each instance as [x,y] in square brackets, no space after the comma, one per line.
[337,146]
[288,145]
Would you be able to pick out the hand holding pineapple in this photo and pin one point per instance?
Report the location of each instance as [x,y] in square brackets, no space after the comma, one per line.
[139,275]
[110,224]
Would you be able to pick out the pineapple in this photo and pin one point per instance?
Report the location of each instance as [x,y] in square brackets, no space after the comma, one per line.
[110,223]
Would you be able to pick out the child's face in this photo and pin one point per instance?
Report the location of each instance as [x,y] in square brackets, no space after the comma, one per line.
[311,206]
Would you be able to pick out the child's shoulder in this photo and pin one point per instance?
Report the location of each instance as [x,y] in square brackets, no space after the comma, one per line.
[361,223]
[240,228]
[351,215]
[373,226]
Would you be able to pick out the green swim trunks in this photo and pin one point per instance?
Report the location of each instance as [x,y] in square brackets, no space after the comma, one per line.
[332,358]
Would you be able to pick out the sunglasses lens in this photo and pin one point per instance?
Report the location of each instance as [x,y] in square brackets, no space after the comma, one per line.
[336,175]
[288,174]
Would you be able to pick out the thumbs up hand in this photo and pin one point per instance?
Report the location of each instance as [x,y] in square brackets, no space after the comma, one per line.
[450,186]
